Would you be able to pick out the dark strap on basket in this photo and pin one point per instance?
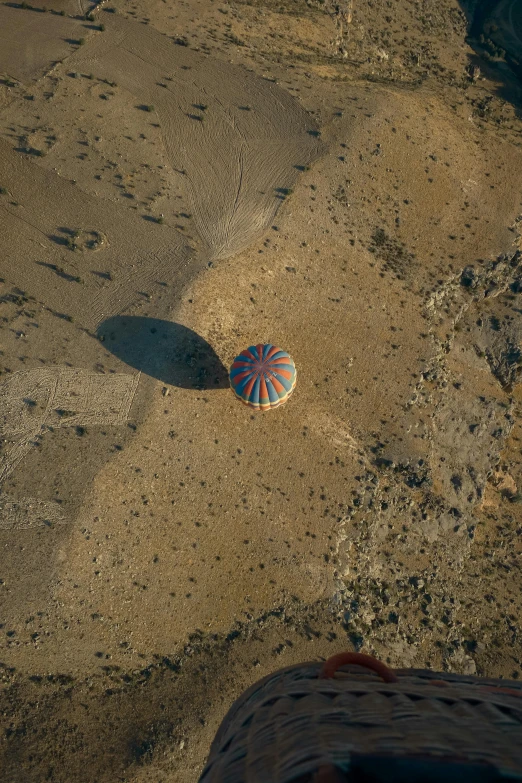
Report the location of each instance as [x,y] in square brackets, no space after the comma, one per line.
[360,659]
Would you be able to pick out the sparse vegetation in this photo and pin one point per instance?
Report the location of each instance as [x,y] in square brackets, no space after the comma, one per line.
[394,255]
[89,17]
[235,40]
[81,41]
[149,107]
[161,219]
[3,191]
[102,28]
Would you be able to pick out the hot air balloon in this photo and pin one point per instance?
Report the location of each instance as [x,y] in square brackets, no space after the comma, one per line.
[263,377]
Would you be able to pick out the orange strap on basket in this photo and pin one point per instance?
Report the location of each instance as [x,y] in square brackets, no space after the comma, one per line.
[360,659]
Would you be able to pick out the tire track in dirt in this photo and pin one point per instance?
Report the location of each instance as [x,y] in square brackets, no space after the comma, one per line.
[237,138]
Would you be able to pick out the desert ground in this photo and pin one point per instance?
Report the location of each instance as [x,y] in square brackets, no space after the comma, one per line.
[178,181]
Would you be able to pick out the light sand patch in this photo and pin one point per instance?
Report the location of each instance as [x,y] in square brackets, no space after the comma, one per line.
[225,525]
[333,428]
[501,484]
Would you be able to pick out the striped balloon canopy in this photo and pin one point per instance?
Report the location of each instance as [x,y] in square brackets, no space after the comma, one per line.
[263,376]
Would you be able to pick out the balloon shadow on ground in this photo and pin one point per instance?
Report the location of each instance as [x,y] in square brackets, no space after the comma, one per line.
[170,352]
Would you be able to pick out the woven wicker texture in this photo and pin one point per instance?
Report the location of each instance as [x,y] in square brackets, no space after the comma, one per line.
[288,725]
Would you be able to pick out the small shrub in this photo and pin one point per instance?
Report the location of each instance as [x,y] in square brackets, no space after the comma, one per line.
[62,13]
[89,17]
[102,28]
[149,108]
[24,5]
[3,191]
[81,41]
[160,220]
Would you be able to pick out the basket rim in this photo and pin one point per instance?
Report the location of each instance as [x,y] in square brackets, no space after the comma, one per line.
[489,687]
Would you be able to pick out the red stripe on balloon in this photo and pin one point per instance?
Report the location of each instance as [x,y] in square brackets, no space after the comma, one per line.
[263,391]
[241,376]
[247,391]
[273,350]
[281,360]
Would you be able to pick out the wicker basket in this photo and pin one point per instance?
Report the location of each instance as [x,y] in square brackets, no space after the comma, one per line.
[340,722]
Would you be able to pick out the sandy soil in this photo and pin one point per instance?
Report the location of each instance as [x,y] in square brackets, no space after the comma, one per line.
[177,183]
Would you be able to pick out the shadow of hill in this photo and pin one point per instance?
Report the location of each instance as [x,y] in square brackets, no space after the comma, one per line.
[495,35]
[170,352]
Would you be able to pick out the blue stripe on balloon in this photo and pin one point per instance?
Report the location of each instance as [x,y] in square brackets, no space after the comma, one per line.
[254,394]
[272,394]
[278,367]
[242,383]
